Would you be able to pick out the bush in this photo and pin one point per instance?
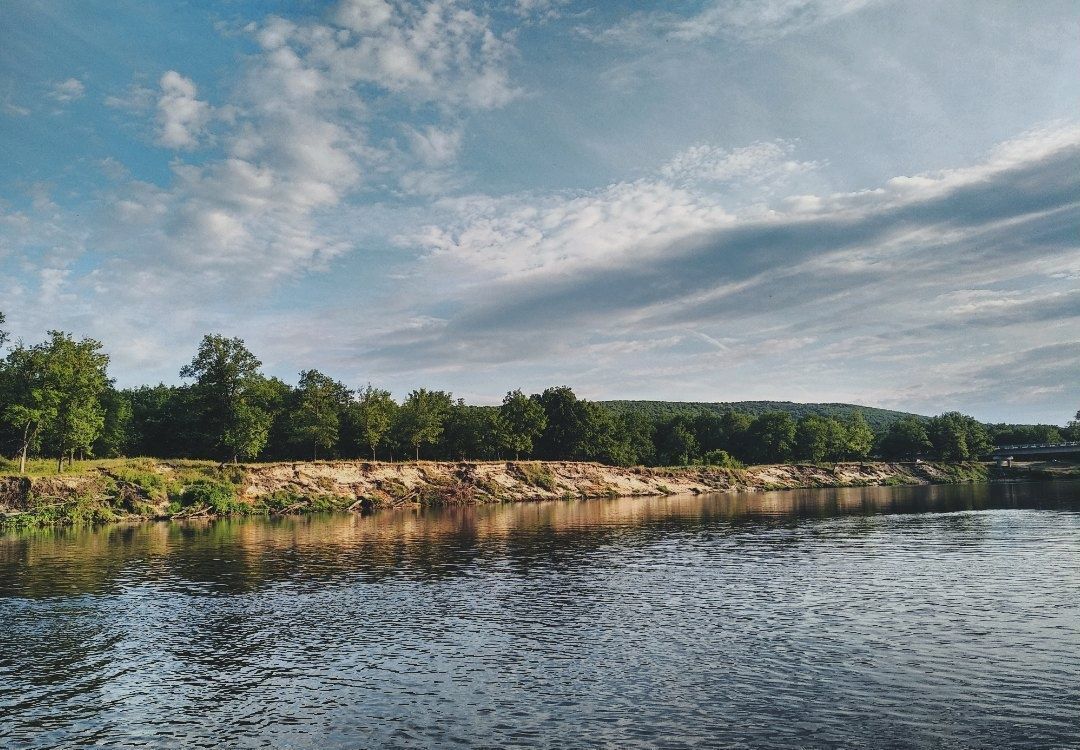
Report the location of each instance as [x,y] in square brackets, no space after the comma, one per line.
[723,459]
[154,485]
[538,475]
[217,496]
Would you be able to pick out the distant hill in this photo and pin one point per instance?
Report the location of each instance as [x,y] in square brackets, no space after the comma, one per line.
[878,419]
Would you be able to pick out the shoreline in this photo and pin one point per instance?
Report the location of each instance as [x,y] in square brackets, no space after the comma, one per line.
[153,489]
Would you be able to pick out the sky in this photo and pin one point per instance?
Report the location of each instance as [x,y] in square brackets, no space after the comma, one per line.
[809,200]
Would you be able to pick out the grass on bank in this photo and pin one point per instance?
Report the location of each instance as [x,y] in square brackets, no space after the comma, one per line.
[107,490]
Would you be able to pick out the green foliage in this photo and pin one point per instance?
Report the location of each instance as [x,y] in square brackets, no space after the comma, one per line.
[1027,434]
[907,439]
[957,437]
[858,436]
[226,391]
[320,404]
[421,418]
[218,497]
[115,438]
[537,475]
[722,459]
[676,443]
[657,411]
[372,416]
[819,438]
[77,511]
[55,399]
[154,484]
[52,395]
[523,420]
[772,438]
[472,432]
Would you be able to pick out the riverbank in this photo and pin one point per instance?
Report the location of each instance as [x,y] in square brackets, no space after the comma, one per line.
[133,489]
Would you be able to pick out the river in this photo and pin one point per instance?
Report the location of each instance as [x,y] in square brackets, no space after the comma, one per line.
[926,617]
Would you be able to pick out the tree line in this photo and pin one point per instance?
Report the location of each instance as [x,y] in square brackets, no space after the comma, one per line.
[57,400]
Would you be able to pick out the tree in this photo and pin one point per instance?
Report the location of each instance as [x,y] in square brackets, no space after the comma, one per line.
[317,417]
[563,434]
[772,437]
[226,376]
[859,437]
[165,421]
[421,418]
[30,402]
[116,433]
[476,432]
[735,428]
[76,378]
[906,438]
[577,429]
[957,437]
[279,400]
[247,431]
[371,416]
[523,421]
[812,438]
[3,333]
[676,443]
[638,434]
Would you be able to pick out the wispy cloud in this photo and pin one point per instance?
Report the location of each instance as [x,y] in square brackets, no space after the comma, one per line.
[67,91]
[747,20]
[644,261]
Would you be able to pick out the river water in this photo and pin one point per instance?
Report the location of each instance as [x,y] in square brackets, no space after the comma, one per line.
[875,617]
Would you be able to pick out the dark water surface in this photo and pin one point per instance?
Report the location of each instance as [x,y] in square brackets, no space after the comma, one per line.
[876,617]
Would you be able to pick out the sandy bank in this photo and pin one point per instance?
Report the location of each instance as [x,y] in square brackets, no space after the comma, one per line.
[146,488]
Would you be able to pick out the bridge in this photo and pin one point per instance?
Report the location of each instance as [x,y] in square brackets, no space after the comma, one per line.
[1004,452]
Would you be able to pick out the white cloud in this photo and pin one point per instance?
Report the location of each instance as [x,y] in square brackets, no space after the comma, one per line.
[182,117]
[440,50]
[762,18]
[929,272]
[136,98]
[765,161]
[10,108]
[363,16]
[748,20]
[529,234]
[295,141]
[68,91]
[434,146]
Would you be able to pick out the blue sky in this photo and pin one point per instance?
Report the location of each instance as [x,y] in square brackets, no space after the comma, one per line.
[850,200]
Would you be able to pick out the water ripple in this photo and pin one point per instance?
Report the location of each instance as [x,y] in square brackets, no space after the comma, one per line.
[901,617]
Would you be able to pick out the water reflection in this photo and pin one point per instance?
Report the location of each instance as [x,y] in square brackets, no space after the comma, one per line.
[868,617]
[237,555]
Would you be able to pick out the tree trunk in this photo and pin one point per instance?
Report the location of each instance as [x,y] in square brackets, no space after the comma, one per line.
[314,450]
[60,464]
[417,452]
[25,448]
[373,455]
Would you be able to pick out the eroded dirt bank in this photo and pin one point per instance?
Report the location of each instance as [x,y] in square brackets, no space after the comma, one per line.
[144,488]
[443,482]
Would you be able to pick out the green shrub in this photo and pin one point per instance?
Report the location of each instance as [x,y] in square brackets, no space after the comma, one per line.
[153,484]
[538,475]
[216,496]
[723,459]
[330,502]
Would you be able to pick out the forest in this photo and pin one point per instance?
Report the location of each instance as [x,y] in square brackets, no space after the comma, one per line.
[58,401]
